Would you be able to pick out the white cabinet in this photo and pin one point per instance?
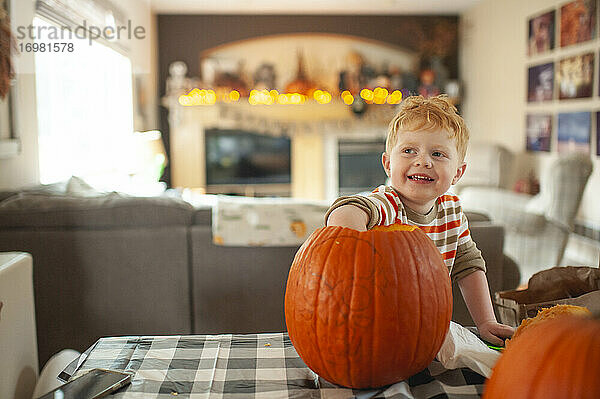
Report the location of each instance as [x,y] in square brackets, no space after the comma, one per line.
[18,343]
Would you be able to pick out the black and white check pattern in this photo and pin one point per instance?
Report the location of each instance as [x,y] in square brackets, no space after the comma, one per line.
[247,366]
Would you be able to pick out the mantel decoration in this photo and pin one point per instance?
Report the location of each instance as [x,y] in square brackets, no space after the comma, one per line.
[6,45]
[325,81]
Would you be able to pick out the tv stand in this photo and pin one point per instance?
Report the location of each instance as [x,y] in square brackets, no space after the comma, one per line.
[251,190]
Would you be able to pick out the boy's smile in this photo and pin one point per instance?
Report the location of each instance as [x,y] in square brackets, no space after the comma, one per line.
[422,166]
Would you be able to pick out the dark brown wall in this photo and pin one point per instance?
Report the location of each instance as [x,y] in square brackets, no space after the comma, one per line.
[184,37]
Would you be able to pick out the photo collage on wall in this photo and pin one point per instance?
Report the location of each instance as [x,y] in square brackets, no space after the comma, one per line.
[562,77]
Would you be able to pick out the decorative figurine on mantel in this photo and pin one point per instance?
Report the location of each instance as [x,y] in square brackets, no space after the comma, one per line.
[301,84]
[428,88]
[265,77]
[350,78]
[177,82]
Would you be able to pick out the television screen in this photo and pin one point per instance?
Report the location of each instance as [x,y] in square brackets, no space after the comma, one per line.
[242,157]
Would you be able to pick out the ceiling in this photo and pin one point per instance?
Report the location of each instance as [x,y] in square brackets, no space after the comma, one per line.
[359,7]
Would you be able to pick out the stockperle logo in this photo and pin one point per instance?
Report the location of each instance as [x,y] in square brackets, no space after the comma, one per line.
[83,31]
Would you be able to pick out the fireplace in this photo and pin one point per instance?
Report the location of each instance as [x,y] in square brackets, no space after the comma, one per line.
[359,165]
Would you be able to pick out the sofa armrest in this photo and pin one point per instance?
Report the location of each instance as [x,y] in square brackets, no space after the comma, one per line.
[489,238]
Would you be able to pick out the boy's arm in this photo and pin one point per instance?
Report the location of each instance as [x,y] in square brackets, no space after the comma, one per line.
[380,208]
[475,291]
[349,212]
[349,216]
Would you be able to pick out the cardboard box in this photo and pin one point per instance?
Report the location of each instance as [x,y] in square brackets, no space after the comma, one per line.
[568,285]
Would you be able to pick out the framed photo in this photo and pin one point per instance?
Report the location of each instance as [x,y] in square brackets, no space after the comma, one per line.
[597,134]
[541,33]
[574,132]
[577,22]
[539,132]
[575,76]
[540,86]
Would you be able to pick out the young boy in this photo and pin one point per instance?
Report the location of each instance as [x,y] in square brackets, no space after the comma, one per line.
[424,155]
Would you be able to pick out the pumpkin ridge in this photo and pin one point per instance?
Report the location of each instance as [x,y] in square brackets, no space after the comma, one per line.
[592,338]
[407,247]
[441,300]
[593,356]
[349,375]
[427,295]
[579,375]
[559,345]
[395,270]
[419,295]
[375,308]
[322,282]
[307,262]
[359,276]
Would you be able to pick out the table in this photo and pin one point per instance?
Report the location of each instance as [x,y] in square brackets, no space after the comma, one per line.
[245,366]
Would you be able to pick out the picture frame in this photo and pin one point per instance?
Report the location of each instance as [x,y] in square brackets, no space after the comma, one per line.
[573,132]
[578,22]
[540,82]
[541,33]
[575,77]
[9,139]
[539,132]
[597,135]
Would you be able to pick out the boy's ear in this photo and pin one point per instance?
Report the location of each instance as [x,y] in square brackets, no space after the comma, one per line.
[385,161]
[459,172]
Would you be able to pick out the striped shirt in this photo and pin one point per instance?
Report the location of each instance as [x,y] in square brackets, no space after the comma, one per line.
[445,224]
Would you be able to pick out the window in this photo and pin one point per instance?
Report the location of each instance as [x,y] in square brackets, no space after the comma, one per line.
[85,108]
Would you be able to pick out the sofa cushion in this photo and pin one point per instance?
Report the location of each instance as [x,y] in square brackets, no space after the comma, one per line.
[203,216]
[38,210]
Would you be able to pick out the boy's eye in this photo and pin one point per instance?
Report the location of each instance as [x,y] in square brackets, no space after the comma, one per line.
[408,151]
[437,154]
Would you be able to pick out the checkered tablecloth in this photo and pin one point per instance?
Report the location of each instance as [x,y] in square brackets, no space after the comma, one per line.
[246,366]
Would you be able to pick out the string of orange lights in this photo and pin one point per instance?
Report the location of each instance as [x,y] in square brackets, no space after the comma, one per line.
[196,96]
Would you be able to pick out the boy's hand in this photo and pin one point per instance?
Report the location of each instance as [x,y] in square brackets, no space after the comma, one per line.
[349,216]
[494,332]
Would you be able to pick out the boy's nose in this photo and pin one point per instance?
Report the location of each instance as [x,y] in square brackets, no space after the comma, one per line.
[423,161]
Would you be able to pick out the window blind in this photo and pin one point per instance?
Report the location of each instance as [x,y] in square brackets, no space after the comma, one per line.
[90,14]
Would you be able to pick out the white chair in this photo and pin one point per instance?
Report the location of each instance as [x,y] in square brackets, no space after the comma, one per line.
[488,165]
[537,227]
[48,377]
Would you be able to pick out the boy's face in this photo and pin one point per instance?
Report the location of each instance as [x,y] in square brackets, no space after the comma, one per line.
[422,166]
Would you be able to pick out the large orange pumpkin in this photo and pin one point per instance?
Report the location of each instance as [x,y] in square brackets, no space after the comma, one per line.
[556,359]
[368,309]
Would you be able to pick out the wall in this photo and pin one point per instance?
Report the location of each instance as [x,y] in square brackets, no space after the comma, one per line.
[144,59]
[23,169]
[187,37]
[493,64]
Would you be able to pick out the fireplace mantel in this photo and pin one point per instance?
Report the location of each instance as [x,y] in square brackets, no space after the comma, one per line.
[314,130]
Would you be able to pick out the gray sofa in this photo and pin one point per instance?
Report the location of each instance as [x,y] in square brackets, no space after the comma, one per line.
[117,265]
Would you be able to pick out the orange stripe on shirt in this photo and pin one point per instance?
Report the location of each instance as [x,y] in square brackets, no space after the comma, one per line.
[449,255]
[464,233]
[392,201]
[441,228]
[446,197]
